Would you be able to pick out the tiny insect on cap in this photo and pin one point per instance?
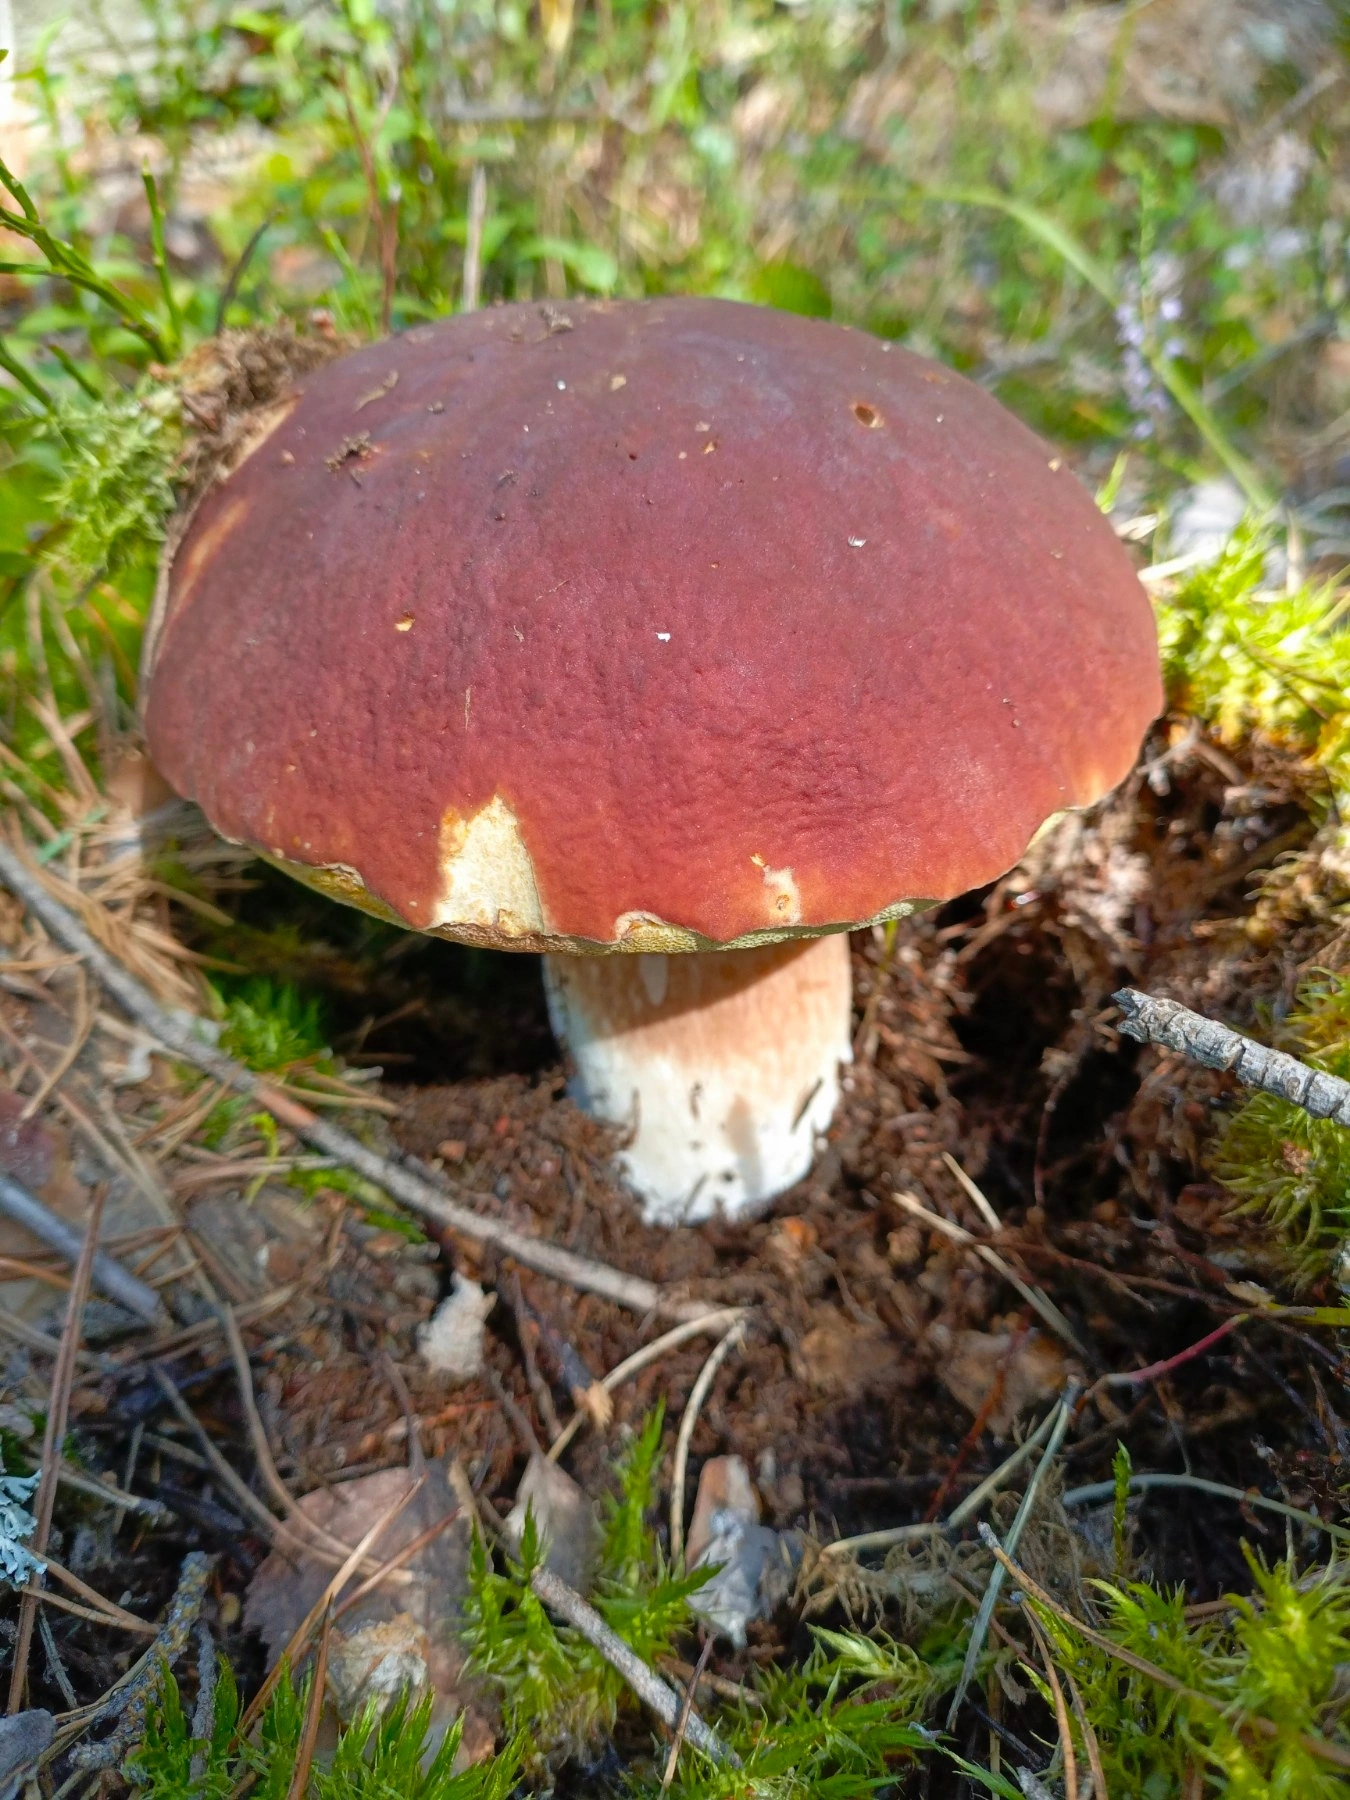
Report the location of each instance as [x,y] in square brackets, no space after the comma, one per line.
[649,625]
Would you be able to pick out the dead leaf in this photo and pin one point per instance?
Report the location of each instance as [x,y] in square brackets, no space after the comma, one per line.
[840,1356]
[407,1625]
[970,1364]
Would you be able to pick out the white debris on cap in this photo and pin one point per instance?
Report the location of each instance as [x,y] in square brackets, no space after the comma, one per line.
[451,1341]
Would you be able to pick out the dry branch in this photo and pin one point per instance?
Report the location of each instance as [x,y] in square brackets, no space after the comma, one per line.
[644,1681]
[58,1410]
[1174,1027]
[178,1035]
[108,1275]
[129,1703]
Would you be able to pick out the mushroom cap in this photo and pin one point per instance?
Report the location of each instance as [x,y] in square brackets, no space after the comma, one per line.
[651,625]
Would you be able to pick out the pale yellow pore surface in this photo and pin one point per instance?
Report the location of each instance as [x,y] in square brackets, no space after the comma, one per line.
[489,897]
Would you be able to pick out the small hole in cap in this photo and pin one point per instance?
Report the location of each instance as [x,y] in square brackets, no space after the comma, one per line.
[866,415]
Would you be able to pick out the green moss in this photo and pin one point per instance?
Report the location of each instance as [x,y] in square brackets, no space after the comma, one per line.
[1277,1657]
[1251,662]
[270,1025]
[553,1684]
[1292,1169]
[377,1757]
[115,487]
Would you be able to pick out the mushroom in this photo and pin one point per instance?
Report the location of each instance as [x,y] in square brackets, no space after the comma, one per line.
[678,628]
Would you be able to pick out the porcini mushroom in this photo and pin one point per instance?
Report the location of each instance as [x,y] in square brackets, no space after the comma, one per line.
[678,628]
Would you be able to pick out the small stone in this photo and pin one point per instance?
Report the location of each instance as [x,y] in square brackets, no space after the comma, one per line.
[451,1341]
[564,1517]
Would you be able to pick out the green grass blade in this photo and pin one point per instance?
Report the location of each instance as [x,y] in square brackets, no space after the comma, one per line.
[1054,236]
[160,257]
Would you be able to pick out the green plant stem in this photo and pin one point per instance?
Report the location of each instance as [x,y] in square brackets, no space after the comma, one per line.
[65,263]
[73,369]
[161,257]
[980,1629]
[1178,384]
[1139,1484]
[13,367]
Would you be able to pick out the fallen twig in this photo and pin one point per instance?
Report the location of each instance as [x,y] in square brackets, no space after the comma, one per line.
[113,1613]
[97,1615]
[154,1510]
[1216,1046]
[642,1359]
[644,1681]
[178,1036]
[693,1407]
[204,1712]
[58,1410]
[108,1274]
[128,1704]
[527,1328]
[1317,1747]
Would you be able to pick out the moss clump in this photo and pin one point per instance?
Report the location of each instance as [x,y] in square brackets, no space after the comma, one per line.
[1258,1706]
[1252,663]
[1292,1169]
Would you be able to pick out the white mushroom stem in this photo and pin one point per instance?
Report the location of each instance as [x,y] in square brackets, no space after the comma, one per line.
[722,1067]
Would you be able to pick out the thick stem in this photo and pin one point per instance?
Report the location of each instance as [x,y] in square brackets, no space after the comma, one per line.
[723,1067]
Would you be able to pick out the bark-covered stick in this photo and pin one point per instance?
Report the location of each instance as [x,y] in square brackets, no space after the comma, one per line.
[1216,1046]
[644,1681]
[117,1283]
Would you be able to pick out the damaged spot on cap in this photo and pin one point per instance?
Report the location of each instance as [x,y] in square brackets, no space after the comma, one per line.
[785,902]
[204,548]
[487,876]
[867,415]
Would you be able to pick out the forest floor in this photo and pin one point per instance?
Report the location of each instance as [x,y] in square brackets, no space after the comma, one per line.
[1022,1227]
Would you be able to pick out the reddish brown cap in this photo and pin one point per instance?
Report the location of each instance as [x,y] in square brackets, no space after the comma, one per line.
[651,625]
